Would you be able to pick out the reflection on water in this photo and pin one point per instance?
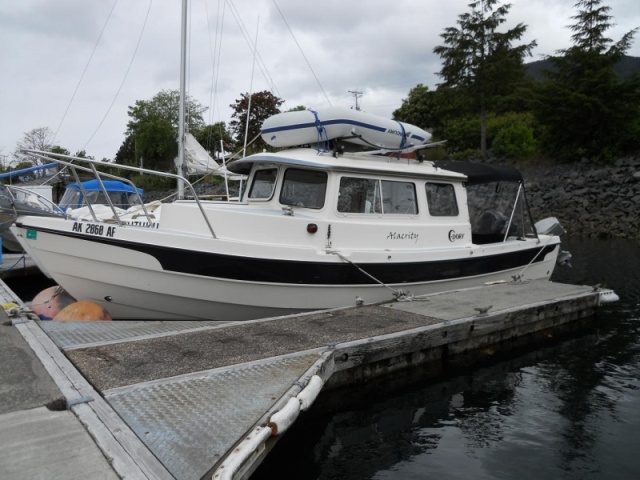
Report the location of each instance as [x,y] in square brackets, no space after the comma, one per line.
[571,410]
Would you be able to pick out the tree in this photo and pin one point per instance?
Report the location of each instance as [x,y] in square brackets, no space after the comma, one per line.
[60,150]
[587,110]
[152,132]
[263,105]
[211,136]
[417,108]
[36,139]
[481,63]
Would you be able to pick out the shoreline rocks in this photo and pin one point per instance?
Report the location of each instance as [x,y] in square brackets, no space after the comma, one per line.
[590,200]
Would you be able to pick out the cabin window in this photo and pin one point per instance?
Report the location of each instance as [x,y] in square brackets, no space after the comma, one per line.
[263,183]
[441,199]
[359,195]
[366,195]
[399,198]
[304,188]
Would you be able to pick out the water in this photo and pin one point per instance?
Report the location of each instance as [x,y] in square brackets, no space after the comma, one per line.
[568,410]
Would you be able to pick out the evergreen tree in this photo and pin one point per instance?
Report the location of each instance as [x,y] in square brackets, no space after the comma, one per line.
[481,63]
[585,108]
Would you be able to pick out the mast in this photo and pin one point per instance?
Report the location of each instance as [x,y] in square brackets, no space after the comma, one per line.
[181,110]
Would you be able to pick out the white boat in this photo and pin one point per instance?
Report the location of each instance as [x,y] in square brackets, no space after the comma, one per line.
[314,229]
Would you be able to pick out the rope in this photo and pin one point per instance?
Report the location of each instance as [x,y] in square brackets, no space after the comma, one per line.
[403,143]
[22,259]
[322,132]
[519,275]
[400,295]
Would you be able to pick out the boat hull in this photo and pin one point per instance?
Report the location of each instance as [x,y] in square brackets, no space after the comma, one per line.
[142,281]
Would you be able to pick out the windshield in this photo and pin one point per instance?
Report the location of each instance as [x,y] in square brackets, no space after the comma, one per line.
[498,210]
[72,198]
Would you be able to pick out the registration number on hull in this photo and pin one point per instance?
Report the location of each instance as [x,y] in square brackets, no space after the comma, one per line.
[94,229]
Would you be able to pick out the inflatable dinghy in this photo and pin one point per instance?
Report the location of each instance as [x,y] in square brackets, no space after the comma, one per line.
[304,127]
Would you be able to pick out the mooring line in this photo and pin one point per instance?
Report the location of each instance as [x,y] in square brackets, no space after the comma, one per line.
[401,295]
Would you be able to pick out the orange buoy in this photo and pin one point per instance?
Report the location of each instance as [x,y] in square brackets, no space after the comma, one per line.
[50,301]
[82,311]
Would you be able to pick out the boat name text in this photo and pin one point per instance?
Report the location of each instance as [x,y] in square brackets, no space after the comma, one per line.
[403,236]
[94,229]
[453,236]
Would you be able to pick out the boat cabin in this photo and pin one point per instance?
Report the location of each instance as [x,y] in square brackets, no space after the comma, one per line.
[441,204]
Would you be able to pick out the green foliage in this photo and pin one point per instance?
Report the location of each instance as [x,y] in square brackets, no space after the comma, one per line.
[515,138]
[585,109]
[480,63]
[22,165]
[153,183]
[60,150]
[152,132]
[433,154]
[263,105]
[211,135]
[462,134]
[126,154]
[418,108]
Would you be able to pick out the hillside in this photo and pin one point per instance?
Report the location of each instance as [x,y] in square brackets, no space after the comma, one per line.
[627,67]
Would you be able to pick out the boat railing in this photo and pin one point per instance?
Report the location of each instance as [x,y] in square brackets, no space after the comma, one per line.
[73,164]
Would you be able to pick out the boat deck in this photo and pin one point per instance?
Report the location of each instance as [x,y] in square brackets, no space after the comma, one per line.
[187,400]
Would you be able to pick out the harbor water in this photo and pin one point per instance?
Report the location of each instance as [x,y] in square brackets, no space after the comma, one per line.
[568,409]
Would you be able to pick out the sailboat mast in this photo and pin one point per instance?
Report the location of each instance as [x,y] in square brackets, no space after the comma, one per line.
[181,110]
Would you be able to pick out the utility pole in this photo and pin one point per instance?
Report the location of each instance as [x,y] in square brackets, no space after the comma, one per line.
[357,95]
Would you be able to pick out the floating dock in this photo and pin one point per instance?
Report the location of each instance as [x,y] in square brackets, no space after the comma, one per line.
[191,400]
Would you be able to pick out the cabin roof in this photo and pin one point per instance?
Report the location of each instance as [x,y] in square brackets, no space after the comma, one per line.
[307,157]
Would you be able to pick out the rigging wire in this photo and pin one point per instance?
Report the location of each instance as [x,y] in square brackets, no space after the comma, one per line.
[86,67]
[125,76]
[302,52]
[215,51]
[247,38]
[246,130]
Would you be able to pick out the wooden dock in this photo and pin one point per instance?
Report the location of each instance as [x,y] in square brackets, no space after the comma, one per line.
[189,400]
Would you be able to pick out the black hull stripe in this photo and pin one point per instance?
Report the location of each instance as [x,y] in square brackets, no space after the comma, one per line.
[318,273]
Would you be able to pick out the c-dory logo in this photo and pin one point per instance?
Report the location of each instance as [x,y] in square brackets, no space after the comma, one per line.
[453,236]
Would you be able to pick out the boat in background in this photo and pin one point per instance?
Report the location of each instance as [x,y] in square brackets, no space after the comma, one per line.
[80,200]
[16,201]
[316,228]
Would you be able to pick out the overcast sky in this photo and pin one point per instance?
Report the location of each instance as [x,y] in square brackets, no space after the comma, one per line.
[76,65]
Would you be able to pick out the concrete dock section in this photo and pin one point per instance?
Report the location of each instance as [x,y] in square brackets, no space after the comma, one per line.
[189,400]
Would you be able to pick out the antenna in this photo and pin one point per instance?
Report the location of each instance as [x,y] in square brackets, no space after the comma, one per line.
[357,94]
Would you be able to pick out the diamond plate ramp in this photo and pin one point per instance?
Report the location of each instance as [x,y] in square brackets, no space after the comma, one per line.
[190,422]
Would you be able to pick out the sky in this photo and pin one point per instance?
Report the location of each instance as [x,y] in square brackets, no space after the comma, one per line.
[75,66]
